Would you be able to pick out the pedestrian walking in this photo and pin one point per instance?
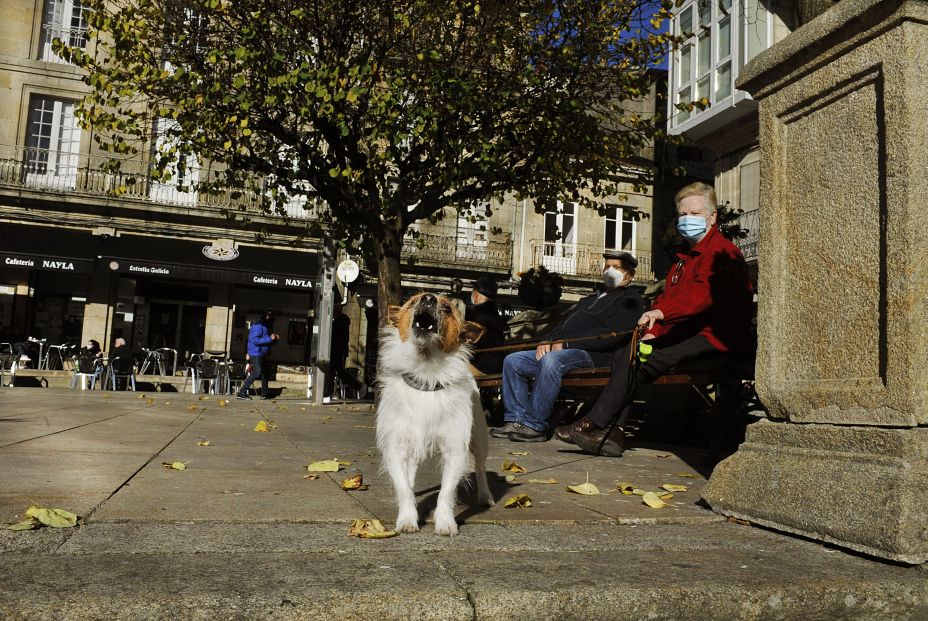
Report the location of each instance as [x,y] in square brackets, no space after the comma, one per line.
[260,338]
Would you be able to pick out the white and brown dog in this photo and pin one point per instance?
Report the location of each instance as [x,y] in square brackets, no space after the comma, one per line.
[428,401]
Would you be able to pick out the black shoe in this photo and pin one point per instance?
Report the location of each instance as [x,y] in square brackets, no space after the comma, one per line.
[265,397]
[597,440]
[243,397]
[527,434]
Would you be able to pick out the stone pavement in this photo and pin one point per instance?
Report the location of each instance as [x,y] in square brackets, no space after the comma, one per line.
[241,534]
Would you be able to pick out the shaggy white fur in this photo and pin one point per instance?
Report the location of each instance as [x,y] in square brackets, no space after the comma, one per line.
[414,423]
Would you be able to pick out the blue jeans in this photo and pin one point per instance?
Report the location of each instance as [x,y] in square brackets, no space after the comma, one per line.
[519,368]
[257,371]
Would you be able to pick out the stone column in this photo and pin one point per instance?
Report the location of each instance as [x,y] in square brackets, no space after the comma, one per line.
[98,310]
[218,318]
[843,286]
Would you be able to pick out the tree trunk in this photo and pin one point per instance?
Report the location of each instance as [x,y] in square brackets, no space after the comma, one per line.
[389,278]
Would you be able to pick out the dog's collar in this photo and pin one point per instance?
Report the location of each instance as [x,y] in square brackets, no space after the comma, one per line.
[414,382]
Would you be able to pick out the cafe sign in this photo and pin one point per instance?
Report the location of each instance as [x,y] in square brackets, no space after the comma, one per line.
[45,263]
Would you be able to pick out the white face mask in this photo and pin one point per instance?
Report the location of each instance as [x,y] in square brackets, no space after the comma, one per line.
[613,277]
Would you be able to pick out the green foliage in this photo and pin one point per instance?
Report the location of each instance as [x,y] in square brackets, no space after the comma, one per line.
[381,113]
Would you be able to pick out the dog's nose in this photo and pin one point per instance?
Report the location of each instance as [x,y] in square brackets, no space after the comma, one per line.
[429,299]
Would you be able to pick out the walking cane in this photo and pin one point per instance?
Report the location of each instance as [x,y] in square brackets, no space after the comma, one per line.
[633,362]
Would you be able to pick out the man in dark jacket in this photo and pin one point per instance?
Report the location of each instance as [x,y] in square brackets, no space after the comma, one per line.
[483,310]
[260,339]
[616,309]
[705,310]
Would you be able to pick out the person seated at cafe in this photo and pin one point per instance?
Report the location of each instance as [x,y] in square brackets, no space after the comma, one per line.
[705,310]
[581,341]
[92,349]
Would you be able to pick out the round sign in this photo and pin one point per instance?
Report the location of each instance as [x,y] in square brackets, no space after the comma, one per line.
[347,271]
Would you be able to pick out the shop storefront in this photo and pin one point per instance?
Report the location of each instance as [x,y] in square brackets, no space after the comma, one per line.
[187,295]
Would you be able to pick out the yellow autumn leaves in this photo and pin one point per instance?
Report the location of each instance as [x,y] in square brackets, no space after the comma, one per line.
[37,517]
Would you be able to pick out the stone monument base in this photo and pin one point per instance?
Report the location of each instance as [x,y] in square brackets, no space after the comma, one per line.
[863,488]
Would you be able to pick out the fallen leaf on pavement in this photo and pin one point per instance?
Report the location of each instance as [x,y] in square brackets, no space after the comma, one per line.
[545,481]
[663,455]
[651,499]
[626,488]
[513,467]
[326,418]
[192,408]
[688,475]
[222,402]
[174,465]
[664,495]
[510,478]
[56,518]
[27,524]
[311,477]
[370,529]
[330,465]
[354,483]
[142,396]
[585,489]
[202,398]
[203,443]
[518,452]
[672,487]
[262,426]
[522,501]
[735,520]
[150,401]
[342,462]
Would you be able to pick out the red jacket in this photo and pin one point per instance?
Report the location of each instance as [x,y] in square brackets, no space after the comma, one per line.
[709,292]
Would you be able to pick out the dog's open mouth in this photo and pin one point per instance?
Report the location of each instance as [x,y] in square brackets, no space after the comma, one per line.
[425,322]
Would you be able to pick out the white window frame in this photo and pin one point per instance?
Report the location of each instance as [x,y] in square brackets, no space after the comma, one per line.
[53,144]
[58,23]
[170,191]
[472,237]
[620,225]
[560,255]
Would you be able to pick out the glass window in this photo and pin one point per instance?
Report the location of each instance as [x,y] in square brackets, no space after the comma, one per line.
[724,37]
[620,235]
[723,84]
[183,171]
[755,30]
[705,12]
[705,54]
[683,97]
[686,20]
[686,55]
[702,88]
[52,144]
[725,5]
[65,20]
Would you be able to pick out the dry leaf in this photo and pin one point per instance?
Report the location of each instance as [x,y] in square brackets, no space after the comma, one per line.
[518,452]
[626,488]
[544,481]
[326,418]
[522,501]
[330,465]
[354,483]
[586,489]
[311,477]
[203,443]
[688,475]
[27,524]
[370,529]
[142,396]
[56,518]
[663,455]
[192,408]
[167,403]
[651,499]
[664,495]
[513,467]
[639,492]
[343,463]
[735,520]
[262,426]
[174,465]
[202,398]
[222,402]
[672,487]
[150,401]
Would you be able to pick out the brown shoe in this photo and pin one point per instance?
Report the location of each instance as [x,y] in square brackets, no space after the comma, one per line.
[562,432]
[597,440]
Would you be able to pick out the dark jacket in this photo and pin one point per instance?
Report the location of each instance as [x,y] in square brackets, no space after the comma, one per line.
[259,340]
[615,311]
[487,315]
[708,292]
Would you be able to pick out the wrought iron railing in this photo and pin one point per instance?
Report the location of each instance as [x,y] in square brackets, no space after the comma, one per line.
[442,246]
[583,261]
[749,222]
[85,175]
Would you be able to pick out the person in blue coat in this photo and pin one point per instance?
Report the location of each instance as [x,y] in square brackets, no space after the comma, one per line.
[260,339]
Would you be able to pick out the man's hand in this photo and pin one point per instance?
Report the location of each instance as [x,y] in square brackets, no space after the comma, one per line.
[545,348]
[648,337]
[275,337]
[651,317]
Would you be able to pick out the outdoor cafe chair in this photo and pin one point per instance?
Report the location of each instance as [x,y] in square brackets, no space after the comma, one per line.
[208,372]
[121,367]
[154,359]
[237,374]
[86,369]
[190,373]
[169,357]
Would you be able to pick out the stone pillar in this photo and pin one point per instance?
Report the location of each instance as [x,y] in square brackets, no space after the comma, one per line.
[218,318]
[98,310]
[843,285]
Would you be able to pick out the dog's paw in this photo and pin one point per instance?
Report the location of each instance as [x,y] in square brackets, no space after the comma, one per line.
[407,523]
[486,500]
[446,528]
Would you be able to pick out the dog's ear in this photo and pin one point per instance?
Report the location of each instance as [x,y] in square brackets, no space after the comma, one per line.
[393,313]
[471,332]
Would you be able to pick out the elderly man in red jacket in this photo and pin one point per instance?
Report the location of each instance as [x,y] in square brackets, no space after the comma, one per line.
[705,310]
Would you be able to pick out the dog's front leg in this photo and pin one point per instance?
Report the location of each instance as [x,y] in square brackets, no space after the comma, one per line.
[402,470]
[453,468]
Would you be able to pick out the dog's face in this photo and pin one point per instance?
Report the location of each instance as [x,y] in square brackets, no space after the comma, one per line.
[431,323]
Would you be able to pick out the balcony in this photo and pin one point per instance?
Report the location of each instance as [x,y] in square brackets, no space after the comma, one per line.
[583,261]
[750,223]
[443,247]
[88,177]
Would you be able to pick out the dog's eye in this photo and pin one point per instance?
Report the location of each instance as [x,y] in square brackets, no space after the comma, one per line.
[446,309]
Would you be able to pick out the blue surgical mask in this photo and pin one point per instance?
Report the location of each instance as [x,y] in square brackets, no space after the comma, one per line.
[691,227]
